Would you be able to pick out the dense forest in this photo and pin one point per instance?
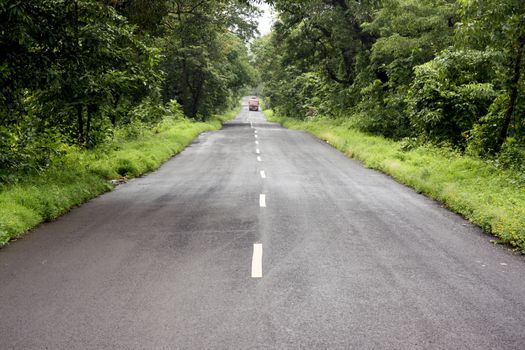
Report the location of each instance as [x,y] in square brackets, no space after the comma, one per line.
[74,71]
[447,72]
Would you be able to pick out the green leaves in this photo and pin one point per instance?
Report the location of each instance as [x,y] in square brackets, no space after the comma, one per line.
[450,94]
[72,70]
[446,71]
[205,59]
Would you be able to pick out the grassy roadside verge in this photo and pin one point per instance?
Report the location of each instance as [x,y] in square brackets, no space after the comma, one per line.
[80,175]
[487,196]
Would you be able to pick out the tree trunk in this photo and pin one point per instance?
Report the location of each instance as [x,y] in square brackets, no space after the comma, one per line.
[90,110]
[114,114]
[80,121]
[514,84]
[196,96]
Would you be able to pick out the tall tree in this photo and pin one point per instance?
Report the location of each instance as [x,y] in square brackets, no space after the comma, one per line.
[410,33]
[202,46]
[498,26]
[334,31]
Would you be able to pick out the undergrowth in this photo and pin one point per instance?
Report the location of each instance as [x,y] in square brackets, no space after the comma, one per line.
[79,175]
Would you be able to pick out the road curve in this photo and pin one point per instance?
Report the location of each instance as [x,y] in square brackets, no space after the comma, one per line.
[259,237]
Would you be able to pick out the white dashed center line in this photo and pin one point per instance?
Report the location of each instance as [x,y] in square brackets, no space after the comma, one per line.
[263,174]
[256,142]
[257,260]
[262,201]
[257,151]
[255,136]
[259,159]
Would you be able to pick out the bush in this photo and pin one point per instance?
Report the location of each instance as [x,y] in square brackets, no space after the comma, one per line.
[25,149]
[450,94]
[381,113]
[512,156]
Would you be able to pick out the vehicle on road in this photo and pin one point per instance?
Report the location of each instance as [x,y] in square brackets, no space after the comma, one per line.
[253,104]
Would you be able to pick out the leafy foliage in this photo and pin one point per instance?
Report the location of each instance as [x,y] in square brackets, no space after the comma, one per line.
[74,71]
[444,71]
[206,64]
[450,93]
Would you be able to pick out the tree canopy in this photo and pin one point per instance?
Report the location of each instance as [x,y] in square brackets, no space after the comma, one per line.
[442,71]
[71,71]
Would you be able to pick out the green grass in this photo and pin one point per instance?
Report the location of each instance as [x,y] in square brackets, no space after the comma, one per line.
[80,175]
[486,195]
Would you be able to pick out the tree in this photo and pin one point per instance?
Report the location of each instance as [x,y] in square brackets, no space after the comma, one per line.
[450,94]
[498,26]
[333,31]
[409,33]
[446,70]
[205,59]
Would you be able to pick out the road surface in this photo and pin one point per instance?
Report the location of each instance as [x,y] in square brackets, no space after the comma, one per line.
[258,237]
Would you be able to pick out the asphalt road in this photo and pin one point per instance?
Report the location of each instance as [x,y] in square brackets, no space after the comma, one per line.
[348,259]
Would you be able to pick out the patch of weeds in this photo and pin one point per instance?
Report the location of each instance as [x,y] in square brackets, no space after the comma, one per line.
[125,167]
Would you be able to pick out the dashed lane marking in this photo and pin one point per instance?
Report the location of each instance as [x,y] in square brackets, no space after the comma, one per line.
[262,201]
[263,174]
[258,151]
[257,260]
[259,159]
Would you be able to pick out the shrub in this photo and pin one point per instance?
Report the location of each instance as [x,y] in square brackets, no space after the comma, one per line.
[451,93]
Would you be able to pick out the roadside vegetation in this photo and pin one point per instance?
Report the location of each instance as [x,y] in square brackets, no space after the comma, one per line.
[94,90]
[481,191]
[80,174]
[429,91]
